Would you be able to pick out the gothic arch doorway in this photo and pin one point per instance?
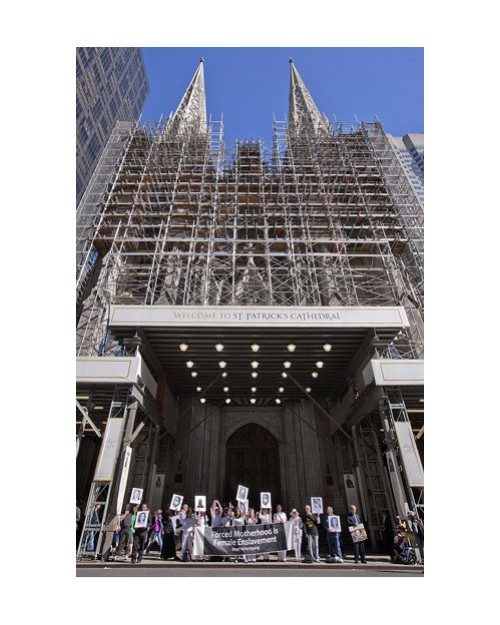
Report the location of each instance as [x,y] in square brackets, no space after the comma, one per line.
[253,459]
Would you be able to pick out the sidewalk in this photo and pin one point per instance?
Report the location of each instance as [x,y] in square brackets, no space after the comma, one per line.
[374,562]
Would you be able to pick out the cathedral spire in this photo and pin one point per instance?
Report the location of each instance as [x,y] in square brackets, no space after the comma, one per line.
[191,114]
[302,111]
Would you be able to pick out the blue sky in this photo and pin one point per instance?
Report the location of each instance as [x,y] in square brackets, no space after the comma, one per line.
[249,85]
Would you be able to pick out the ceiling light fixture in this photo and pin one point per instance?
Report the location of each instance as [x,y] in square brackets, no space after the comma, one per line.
[183,347]
[284,374]
[219,347]
[320,364]
[190,364]
[254,364]
[82,396]
[228,400]
[327,347]
[226,389]
[255,347]
[202,400]
[278,400]
[252,400]
[194,374]
[254,389]
[291,347]
[254,374]
[224,375]
[308,389]
[281,389]
[198,388]
[287,364]
[222,364]
[314,374]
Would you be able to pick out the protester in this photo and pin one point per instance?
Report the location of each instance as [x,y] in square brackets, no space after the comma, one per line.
[251,519]
[417,528]
[280,517]
[311,522]
[140,535]
[216,513]
[354,519]
[265,517]
[388,533]
[187,523]
[125,533]
[332,535]
[297,533]
[168,545]
[156,532]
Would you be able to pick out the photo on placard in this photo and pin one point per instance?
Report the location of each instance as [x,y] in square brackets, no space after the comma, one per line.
[141,520]
[358,533]
[200,503]
[317,505]
[176,502]
[265,500]
[334,522]
[136,496]
[242,493]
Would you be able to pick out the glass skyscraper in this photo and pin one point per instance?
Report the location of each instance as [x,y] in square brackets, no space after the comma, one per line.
[111,85]
[410,152]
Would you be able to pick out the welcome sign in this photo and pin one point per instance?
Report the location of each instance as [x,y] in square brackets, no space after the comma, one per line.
[251,316]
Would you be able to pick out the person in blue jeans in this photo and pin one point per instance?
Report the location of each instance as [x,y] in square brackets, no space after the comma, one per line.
[333,530]
[311,522]
[156,532]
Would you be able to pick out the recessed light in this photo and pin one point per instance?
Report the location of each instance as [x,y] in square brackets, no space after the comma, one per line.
[308,389]
[291,347]
[287,364]
[226,389]
[320,364]
[327,347]
[98,407]
[222,364]
[190,364]
[202,400]
[278,400]
[198,388]
[281,389]
[224,375]
[254,364]
[252,400]
[194,374]
[82,396]
[254,374]
[183,347]
[421,400]
[255,347]
[284,374]
[314,374]
[219,347]
[228,400]
[254,389]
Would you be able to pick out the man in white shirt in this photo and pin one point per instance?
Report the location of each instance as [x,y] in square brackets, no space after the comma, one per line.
[280,517]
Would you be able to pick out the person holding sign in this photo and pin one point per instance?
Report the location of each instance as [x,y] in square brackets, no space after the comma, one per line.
[311,522]
[265,518]
[187,523]
[297,533]
[333,529]
[280,517]
[141,527]
[353,520]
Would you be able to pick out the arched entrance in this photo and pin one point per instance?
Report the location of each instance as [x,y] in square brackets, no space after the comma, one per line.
[253,460]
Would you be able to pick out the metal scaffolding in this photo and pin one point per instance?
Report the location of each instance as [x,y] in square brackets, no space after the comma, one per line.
[312,219]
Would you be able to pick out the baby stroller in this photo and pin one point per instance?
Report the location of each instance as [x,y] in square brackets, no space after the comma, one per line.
[404,553]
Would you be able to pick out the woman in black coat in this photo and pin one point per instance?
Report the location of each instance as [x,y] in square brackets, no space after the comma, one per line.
[168,549]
